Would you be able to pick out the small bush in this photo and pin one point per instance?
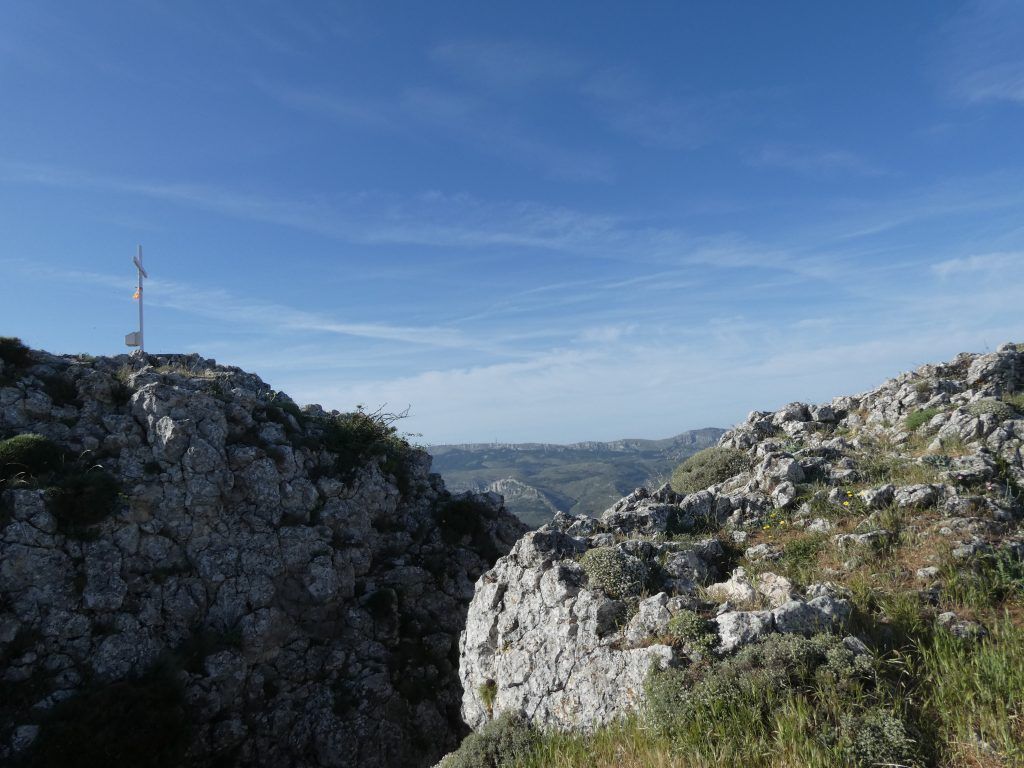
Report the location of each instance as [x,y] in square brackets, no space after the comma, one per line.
[357,437]
[1016,401]
[876,737]
[1002,411]
[689,628]
[739,703]
[613,571]
[29,454]
[502,743]
[13,352]
[918,418]
[140,723]
[708,467]
[83,498]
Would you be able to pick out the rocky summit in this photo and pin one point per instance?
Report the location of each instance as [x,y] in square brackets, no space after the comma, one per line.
[815,543]
[195,571]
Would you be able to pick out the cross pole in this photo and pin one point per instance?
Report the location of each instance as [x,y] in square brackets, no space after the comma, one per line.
[136,339]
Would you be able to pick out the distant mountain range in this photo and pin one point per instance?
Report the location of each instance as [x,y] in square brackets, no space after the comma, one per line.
[538,479]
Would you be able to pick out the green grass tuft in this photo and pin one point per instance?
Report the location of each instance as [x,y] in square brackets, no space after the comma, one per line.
[29,454]
[918,418]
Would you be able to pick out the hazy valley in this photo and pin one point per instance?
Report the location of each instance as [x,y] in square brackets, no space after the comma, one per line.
[539,479]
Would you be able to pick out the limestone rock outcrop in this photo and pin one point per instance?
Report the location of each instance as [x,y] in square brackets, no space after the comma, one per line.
[565,627]
[302,582]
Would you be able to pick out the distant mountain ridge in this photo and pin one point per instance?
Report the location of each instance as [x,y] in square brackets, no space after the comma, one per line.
[538,479]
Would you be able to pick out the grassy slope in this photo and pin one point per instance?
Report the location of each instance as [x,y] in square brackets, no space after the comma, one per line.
[962,702]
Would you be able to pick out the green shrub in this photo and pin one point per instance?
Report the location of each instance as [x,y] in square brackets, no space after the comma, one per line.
[83,498]
[875,737]
[502,743]
[1015,400]
[357,437]
[30,454]
[615,572]
[918,418]
[736,701]
[13,352]
[1002,411]
[140,723]
[708,467]
[690,628]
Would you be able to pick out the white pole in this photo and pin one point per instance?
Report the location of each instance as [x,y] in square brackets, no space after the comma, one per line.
[142,347]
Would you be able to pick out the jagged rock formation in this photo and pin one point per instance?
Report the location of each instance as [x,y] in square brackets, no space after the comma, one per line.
[300,592]
[566,626]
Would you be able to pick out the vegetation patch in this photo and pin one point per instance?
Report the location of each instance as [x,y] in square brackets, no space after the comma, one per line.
[141,723]
[800,557]
[13,352]
[973,696]
[708,467]
[356,438]
[989,581]
[919,418]
[488,691]
[813,691]
[613,571]
[1001,410]
[502,743]
[29,454]
[691,629]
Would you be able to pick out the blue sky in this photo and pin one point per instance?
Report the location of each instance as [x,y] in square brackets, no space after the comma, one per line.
[527,221]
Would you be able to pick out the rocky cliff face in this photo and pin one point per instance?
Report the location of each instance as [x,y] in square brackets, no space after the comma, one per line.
[924,475]
[242,581]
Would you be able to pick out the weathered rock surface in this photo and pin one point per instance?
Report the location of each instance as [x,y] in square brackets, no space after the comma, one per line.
[551,633]
[325,604]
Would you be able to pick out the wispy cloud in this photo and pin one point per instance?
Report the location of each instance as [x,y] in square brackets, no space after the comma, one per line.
[507,64]
[346,110]
[266,316]
[997,265]
[816,162]
[629,105]
[984,55]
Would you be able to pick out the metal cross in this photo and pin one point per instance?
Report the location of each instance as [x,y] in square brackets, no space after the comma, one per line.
[134,339]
